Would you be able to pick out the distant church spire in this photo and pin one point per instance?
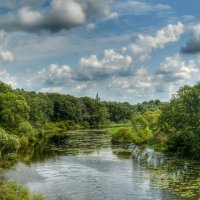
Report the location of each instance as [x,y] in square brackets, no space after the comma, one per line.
[97,97]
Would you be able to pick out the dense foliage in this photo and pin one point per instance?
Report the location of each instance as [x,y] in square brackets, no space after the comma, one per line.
[174,128]
[180,121]
[12,191]
[144,129]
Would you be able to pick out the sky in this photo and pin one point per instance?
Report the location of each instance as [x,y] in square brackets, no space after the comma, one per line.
[126,50]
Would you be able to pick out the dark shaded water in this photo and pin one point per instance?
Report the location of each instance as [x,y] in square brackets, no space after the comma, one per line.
[89,169]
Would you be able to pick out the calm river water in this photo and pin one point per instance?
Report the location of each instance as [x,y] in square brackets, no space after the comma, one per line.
[88,169]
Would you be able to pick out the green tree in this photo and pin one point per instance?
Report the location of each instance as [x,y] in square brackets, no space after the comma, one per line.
[180,120]
[13,110]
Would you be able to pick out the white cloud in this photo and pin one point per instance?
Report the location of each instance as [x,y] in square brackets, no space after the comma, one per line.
[174,69]
[6,56]
[112,63]
[8,78]
[55,75]
[82,86]
[52,90]
[173,73]
[54,78]
[146,44]
[113,15]
[61,14]
[138,84]
[90,26]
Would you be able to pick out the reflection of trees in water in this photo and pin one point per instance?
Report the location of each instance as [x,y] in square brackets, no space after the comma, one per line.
[68,143]
[121,152]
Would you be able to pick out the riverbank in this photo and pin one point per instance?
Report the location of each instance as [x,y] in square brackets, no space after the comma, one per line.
[13,191]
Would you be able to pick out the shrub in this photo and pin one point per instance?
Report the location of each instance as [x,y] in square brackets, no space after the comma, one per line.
[8,143]
[25,129]
[142,135]
[122,136]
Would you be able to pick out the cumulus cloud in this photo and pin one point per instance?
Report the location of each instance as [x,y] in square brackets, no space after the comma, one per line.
[60,14]
[6,56]
[193,44]
[111,64]
[90,26]
[138,86]
[146,44]
[140,81]
[8,78]
[55,75]
[113,15]
[174,72]
[175,69]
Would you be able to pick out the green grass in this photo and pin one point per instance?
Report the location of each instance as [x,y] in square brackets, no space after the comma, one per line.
[13,191]
[113,130]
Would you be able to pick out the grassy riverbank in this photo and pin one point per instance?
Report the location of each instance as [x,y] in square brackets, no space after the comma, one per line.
[13,191]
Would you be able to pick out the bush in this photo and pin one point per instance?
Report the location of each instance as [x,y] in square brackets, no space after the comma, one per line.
[122,136]
[25,129]
[8,143]
[24,142]
[142,135]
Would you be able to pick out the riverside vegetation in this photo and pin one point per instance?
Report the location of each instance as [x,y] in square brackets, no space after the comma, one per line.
[25,117]
[173,128]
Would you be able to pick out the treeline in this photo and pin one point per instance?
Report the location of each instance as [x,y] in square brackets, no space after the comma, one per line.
[173,128]
[85,111]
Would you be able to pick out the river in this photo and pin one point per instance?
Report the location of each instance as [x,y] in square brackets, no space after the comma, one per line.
[85,167]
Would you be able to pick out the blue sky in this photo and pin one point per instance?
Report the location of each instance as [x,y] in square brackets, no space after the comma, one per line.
[126,50]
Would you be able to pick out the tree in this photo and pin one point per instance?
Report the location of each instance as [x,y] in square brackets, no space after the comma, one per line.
[144,126]
[180,120]
[13,110]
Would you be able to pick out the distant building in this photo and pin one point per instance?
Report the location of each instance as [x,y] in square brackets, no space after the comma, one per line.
[97,97]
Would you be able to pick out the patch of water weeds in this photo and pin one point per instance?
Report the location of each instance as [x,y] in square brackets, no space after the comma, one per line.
[181,177]
[79,142]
